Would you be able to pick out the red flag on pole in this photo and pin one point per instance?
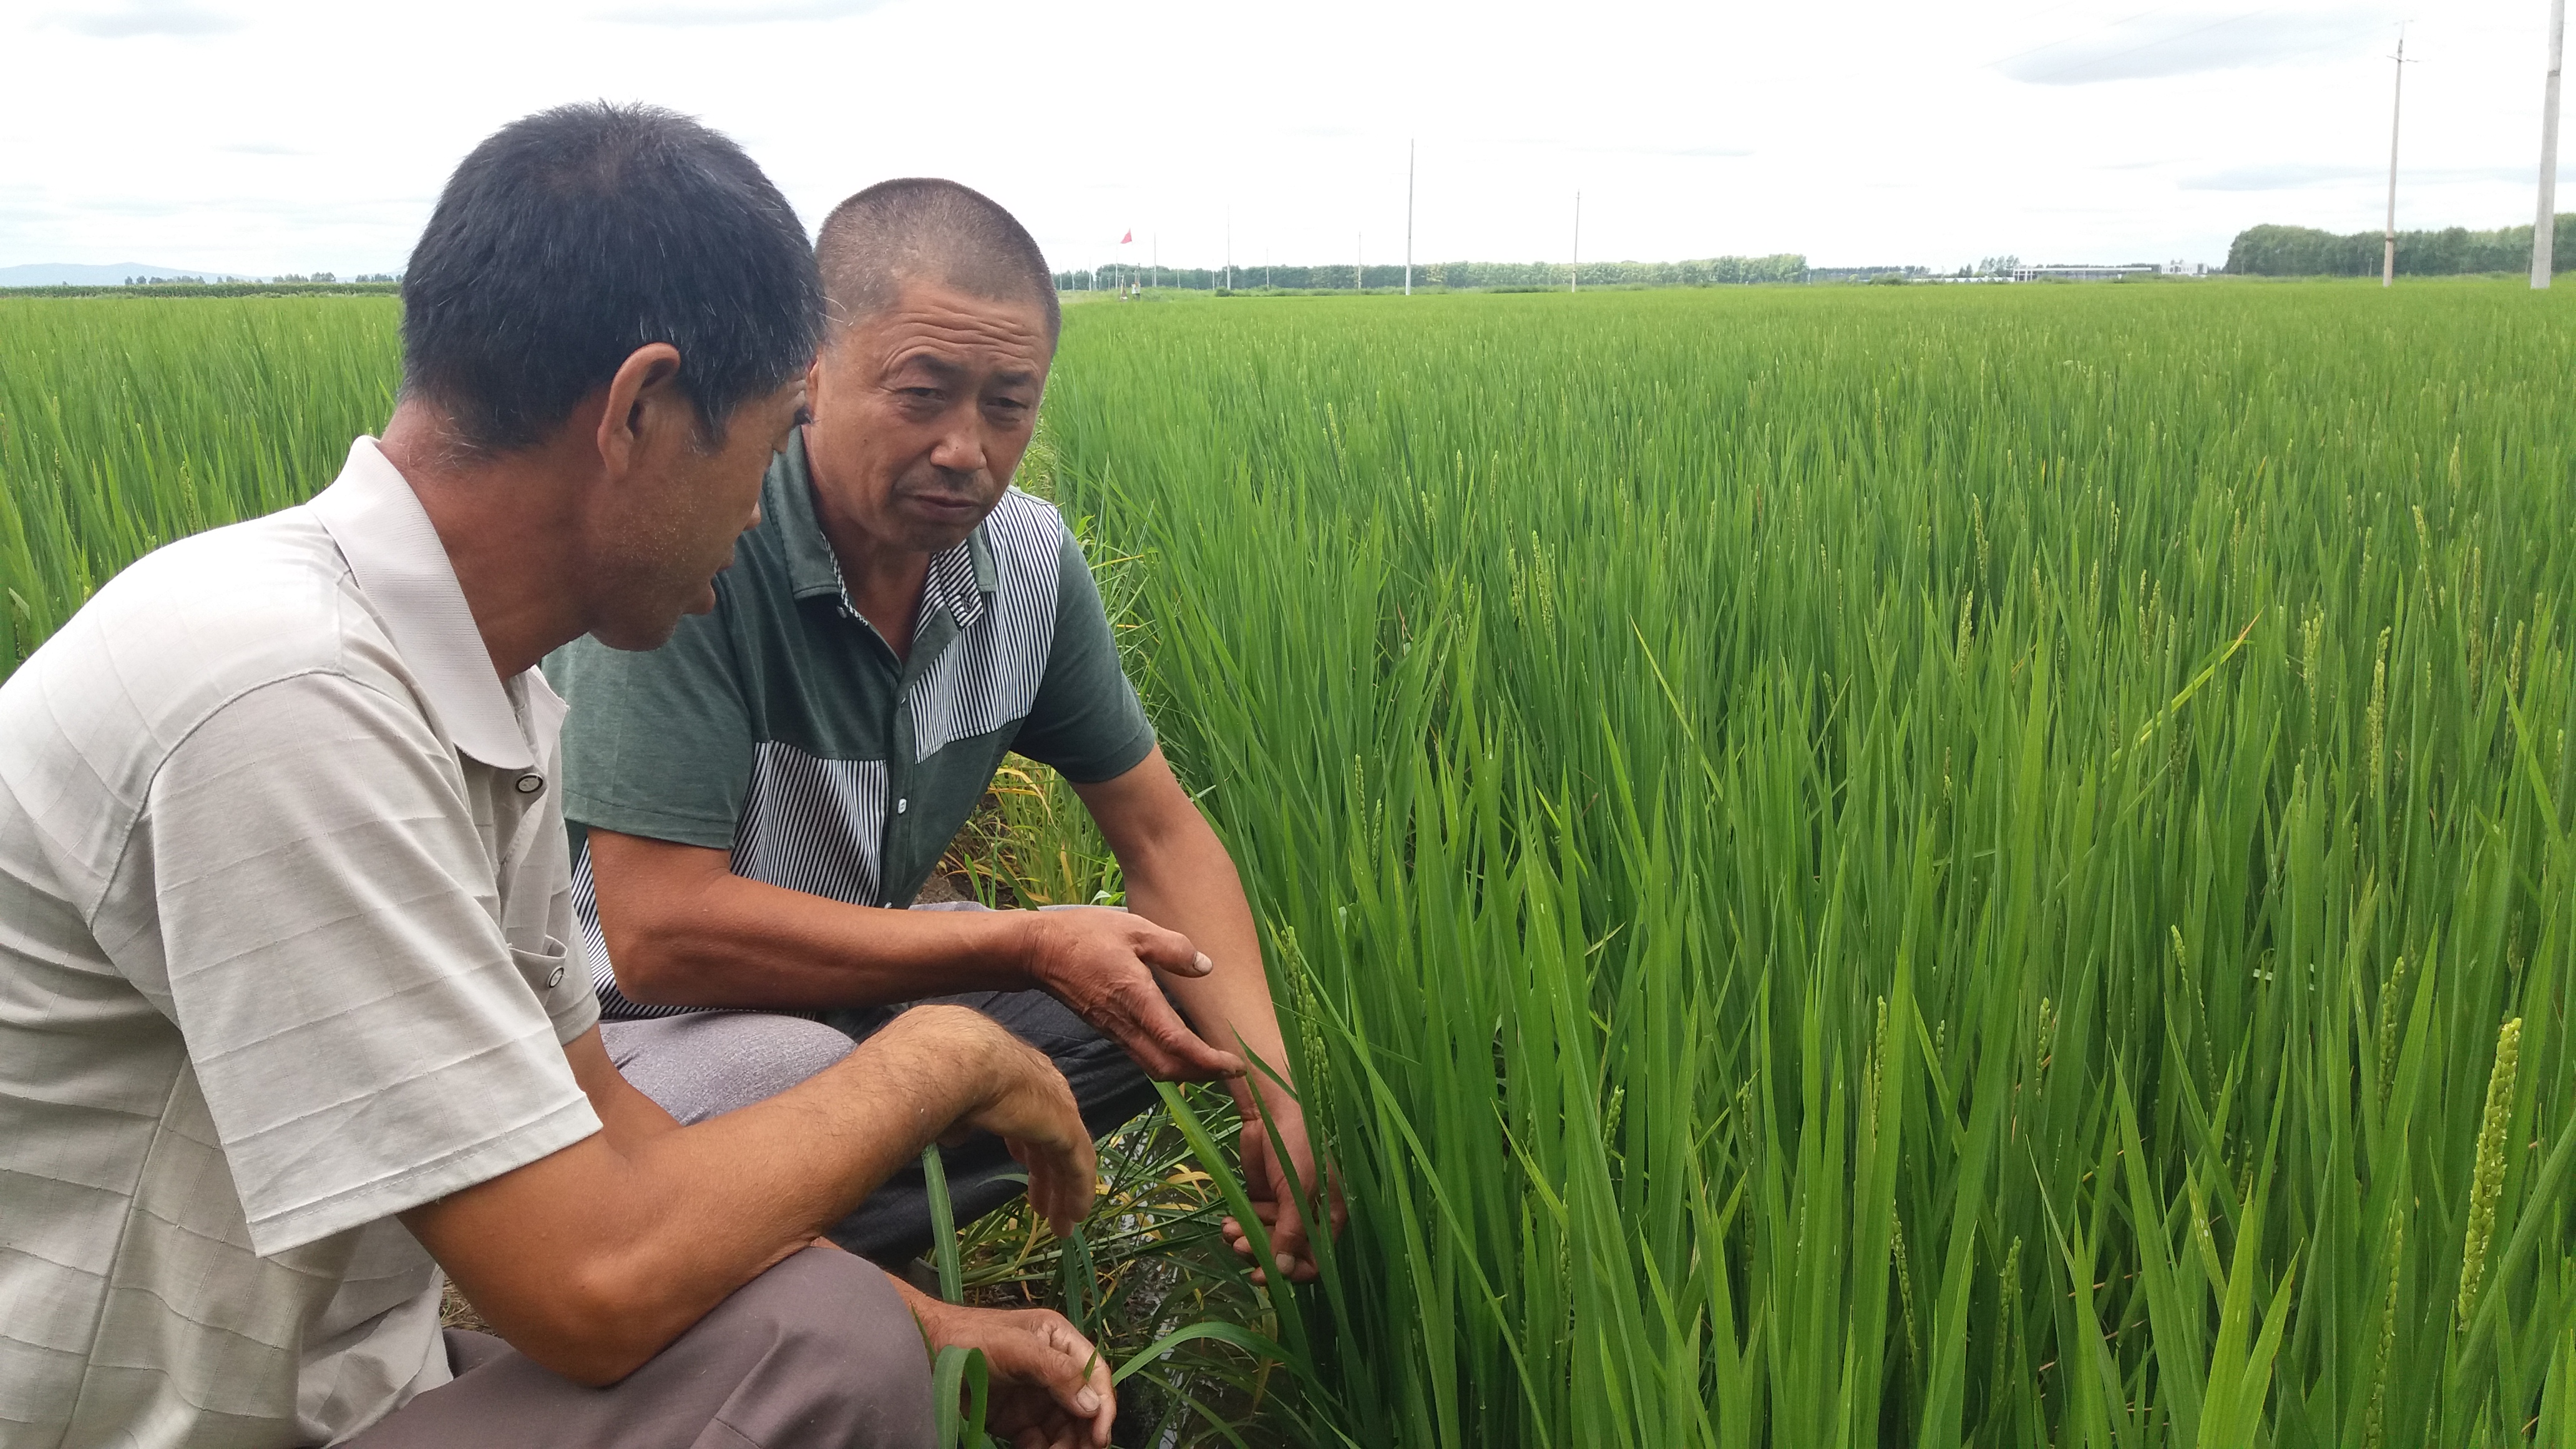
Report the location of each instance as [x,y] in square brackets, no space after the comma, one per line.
[1129,237]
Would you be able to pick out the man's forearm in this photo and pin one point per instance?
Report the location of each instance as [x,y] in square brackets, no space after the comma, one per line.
[684,930]
[1187,883]
[741,1190]
[676,1218]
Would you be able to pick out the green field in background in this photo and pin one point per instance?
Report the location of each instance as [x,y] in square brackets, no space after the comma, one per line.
[128,422]
[1874,865]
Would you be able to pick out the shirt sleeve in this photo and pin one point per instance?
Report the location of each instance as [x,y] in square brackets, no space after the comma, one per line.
[659,742]
[1086,720]
[329,946]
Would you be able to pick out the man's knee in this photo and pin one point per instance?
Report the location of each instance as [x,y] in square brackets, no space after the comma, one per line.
[785,1051]
[706,1064]
[831,1331]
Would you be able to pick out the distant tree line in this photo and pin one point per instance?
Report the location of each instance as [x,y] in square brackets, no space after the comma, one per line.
[290,278]
[148,287]
[1707,272]
[2298,251]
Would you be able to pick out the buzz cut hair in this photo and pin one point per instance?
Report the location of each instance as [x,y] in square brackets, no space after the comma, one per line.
[923,228]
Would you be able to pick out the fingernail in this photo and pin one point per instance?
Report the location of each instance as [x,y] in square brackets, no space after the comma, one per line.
[1088,1401]
[1204,964]
[1285,1262]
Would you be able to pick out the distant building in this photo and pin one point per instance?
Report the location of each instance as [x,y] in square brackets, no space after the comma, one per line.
[2086,272]
[1864,274]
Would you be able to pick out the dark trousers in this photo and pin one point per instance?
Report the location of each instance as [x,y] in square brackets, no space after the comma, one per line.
[1108,1086]
[816,1353]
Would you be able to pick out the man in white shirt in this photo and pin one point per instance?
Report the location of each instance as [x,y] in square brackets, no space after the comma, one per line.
[289,1021]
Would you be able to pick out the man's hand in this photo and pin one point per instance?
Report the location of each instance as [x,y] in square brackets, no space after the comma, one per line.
[1027,1104]
[1049,1388]
[1102,964]
[1178,873]
[1275,1199]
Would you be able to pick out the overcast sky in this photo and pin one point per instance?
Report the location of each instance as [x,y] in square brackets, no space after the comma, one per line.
[290,136]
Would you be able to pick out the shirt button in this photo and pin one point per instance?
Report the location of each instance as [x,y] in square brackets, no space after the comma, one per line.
[530,783]
[901,806]
[554,978]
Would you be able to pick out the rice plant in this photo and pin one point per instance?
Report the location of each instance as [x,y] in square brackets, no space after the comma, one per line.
[1896,867]
[126,423]
[1981,866]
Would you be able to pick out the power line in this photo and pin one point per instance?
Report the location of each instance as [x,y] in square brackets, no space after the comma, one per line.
[2327,44]
[2079,35]
[2152,44]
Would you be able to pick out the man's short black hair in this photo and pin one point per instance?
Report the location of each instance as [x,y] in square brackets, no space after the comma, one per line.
[923,227]
[572,237]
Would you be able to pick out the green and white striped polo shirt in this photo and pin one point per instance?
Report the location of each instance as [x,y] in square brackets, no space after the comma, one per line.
[780,726]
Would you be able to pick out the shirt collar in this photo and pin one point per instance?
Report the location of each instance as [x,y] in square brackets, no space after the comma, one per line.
[960,576]
[812,572]
[402,568]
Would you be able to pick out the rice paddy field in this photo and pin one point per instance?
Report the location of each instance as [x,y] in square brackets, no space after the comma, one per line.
[1915,866]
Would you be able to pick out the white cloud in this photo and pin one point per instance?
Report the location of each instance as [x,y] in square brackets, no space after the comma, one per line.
[2176,42]
[2276,176]
[1873,131]
[146,17]
[749,12]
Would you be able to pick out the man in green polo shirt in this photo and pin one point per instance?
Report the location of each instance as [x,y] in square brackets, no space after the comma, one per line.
[755,803]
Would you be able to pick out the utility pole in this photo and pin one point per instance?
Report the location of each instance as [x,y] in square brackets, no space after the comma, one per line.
[1408,214]
[2544,232]
[1229,247]
[1574,278]
[1359,261]
[2396,105]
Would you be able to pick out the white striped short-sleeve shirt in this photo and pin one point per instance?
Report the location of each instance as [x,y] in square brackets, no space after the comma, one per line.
[286,948]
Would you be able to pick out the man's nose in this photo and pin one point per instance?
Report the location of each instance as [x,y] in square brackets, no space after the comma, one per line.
[960,450]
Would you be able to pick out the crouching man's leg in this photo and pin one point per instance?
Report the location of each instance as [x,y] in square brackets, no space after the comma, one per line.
[707,1063]
[1108,1086]
[893,1224]
[817,1351]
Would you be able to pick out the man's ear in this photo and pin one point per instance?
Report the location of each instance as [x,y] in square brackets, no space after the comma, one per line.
[643,398]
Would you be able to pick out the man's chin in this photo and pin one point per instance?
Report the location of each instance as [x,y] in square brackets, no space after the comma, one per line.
[938,530]
[641,633]
[635,638]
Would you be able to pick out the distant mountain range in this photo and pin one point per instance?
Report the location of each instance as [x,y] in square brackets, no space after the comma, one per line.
[71,274]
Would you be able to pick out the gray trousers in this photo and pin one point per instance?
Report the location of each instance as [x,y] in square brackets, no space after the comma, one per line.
[708,1063]
[816,1353]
